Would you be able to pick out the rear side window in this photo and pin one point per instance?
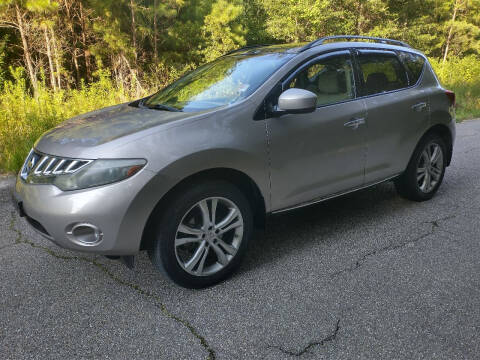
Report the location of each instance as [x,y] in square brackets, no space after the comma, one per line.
[381,72]
[414,64]
[330,78]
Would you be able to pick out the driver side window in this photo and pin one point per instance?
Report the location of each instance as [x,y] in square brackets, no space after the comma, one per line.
[331,79]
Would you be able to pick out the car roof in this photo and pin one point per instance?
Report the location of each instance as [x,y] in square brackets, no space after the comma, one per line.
[268,48]
[321,45]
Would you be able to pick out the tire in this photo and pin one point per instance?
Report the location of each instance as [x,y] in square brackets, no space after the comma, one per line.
[173,251]
[416,189]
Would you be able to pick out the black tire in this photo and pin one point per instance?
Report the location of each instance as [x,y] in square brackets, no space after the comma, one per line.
[407,184]
[163,254]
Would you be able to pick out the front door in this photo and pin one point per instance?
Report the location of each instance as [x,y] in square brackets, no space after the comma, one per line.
[321,153]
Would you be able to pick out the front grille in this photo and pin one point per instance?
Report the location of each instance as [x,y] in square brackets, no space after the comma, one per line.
[38,164]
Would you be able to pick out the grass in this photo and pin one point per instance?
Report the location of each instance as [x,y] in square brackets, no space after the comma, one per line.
[24,118]
[468,101]
[462,76]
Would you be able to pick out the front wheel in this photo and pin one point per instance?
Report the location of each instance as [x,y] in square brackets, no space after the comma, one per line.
[203,234]
[425,171]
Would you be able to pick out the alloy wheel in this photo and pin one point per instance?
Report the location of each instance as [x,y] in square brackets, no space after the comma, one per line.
[209,236]
[430,167]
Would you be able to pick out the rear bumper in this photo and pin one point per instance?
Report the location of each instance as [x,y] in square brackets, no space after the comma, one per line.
[110,208]
[453,131]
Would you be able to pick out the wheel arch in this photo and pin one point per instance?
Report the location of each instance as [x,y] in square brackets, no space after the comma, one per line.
[445,133]
[238,178]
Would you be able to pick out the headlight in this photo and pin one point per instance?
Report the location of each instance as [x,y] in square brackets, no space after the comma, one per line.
[99,172]
[75,174]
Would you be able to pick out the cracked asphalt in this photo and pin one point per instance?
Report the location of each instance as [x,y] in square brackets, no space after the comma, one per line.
[368,276]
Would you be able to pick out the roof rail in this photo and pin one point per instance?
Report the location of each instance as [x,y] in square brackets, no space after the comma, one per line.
[245,48]
[354,37]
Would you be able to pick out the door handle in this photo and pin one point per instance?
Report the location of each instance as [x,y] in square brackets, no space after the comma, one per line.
[355,123]
[419,107]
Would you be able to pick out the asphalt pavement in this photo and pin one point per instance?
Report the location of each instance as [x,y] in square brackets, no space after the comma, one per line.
[366,276]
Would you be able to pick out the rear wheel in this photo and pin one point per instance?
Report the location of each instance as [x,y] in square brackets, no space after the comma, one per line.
[203,235]
[426,169]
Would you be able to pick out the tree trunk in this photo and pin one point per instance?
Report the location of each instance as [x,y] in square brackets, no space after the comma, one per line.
[56,56]
[450,32]
[86,52]
[53,84]
[26,50]
[75,50]
[359,18]
[77,67]
[134,33]
[155,32]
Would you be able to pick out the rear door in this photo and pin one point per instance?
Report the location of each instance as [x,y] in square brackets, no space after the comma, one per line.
[397,112]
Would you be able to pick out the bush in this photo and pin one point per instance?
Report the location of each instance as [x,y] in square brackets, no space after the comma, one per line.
[463,77]
[23,118]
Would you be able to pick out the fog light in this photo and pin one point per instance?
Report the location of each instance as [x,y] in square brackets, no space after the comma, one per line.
[84,234]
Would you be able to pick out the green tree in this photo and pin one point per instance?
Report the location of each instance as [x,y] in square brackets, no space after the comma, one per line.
[222,29]
[145,43]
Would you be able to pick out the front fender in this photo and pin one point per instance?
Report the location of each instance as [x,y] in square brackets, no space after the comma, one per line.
[162,182]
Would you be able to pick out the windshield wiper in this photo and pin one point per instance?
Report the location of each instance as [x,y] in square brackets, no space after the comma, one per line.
[162,107]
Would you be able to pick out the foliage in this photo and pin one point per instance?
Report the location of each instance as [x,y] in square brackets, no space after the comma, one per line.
[461,75]
[69,39]
[23,118]
[78,55]
[222,30]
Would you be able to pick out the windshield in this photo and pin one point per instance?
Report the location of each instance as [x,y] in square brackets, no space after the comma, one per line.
[224,81]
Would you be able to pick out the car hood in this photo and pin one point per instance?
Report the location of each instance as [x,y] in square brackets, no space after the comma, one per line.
[101,126]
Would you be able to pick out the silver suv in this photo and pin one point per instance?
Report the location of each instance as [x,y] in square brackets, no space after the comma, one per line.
[187,172]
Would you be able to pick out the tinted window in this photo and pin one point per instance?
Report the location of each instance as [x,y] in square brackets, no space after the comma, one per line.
[330,78]
[414,64]
[224,81]
[381,72]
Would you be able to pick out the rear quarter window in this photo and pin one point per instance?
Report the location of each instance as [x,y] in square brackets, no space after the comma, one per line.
[415,64]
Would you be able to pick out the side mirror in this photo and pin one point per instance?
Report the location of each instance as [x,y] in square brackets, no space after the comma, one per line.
[297,101]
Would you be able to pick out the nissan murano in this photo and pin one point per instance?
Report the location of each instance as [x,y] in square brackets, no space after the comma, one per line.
[187,173]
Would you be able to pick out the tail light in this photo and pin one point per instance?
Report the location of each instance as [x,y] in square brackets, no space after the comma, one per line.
[451,97]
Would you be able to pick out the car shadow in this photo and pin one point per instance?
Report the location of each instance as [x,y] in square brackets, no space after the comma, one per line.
[322,222]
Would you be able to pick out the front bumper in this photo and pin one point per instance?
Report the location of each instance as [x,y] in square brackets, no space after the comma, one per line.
[113,209]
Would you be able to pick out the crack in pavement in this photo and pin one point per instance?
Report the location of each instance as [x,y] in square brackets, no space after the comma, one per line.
[390,247]
[435,224]
[471,150]
[304,350]
[148,294]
